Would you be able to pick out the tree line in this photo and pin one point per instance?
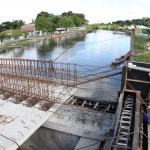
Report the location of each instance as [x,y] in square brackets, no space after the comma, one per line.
[145,21]
[48,22]
[122,25]
[45,22]
[15,24]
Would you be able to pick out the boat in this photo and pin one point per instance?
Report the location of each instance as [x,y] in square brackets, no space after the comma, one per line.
[121,59]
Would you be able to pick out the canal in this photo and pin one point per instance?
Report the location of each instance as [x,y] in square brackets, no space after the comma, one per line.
[96,49]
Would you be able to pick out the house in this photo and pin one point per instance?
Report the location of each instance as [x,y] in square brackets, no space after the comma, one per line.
[30,29]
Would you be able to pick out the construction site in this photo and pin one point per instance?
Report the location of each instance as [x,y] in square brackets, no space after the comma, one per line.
[40,110]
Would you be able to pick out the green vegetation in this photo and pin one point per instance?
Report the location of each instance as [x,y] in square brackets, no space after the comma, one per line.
[109,26]
[14,44]
[16,24]
[143,58]
[141,48]
[22,43]
[4,48]
[145,21]
[120,24]
[10,34]
[46,22]
[16,33]
[67,22]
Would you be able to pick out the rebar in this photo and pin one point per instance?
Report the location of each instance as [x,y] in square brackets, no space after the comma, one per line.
[37,81]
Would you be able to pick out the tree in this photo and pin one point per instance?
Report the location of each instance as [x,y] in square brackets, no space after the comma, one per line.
[67,22]
[40,23]
[1,28]
[2,36]
[78,18]
[56,20]
[16,33]
[6,25]
[77,21]
[148,31]
[42,14]
[44,24]
[16,24]
[50,27]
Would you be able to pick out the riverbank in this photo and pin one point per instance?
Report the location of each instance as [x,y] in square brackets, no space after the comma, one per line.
[26,41]
[141,48]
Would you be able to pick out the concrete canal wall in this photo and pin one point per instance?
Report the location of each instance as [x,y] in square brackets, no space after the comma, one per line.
[47,139]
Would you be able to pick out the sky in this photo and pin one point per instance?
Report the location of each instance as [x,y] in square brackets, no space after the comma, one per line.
[96,11]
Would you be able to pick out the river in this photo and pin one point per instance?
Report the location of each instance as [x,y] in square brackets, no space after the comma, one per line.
[97,49]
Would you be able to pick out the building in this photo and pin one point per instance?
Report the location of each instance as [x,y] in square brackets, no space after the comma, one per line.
[28,29]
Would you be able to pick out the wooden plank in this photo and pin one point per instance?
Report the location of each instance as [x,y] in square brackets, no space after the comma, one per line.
[135,143]
[141,81]
[148,126]
[133,91]
[126,76]
[108,142]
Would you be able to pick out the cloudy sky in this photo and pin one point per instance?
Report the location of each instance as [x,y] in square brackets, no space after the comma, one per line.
[94,10]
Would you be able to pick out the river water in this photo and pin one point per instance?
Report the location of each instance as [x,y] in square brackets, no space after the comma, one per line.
[97,49]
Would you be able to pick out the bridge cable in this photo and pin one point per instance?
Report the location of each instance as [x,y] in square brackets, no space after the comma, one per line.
[65,51]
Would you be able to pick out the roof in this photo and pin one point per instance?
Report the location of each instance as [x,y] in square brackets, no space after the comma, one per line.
[27,28]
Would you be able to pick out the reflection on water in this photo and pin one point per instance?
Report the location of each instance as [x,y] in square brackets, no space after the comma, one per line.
[49,47]
[96,49]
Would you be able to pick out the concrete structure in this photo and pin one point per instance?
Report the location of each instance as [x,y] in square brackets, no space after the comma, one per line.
[18,123]
[73,122]
[83,123]
[47,139]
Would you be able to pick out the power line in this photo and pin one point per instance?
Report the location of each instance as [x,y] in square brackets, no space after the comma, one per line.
[65,51]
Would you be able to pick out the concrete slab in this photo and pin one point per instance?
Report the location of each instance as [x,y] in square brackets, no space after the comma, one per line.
[68,119]
[18,123]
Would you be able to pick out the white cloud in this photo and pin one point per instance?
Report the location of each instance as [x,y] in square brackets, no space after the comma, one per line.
[94,10]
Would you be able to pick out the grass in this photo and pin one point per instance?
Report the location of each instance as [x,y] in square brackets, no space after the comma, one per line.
[141,48]
[4,48]
[143,58]
[21,43]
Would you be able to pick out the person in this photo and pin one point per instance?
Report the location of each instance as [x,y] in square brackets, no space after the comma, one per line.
[146,117]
